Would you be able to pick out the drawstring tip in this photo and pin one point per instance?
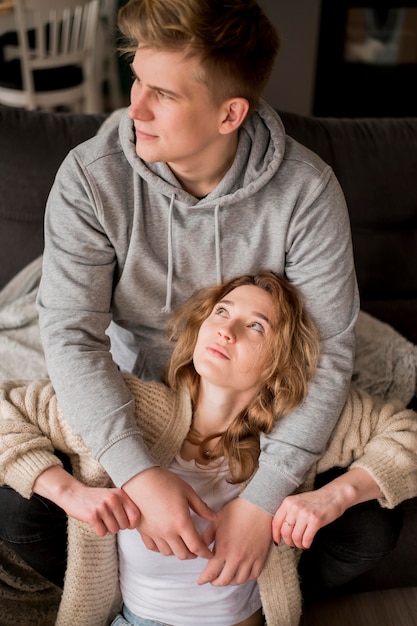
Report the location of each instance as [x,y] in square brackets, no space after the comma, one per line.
[166,309]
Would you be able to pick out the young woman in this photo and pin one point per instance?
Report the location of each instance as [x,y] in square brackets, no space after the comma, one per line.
[244,353]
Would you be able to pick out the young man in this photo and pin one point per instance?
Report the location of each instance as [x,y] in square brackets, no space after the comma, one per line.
[199,183]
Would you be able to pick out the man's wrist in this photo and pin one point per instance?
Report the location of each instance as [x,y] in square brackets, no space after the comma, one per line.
[267,489]
[126,458]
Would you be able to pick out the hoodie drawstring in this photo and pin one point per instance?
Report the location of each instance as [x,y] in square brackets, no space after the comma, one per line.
[170,270]
[217,245]
[167,307]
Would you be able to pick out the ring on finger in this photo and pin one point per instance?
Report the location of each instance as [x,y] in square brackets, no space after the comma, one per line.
[288,524]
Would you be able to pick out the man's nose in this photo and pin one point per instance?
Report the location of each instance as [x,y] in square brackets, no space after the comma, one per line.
[140,107]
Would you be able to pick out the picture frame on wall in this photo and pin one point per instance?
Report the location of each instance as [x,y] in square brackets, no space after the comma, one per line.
[366,59]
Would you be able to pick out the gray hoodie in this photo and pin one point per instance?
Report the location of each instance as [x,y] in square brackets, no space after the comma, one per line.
[125,244]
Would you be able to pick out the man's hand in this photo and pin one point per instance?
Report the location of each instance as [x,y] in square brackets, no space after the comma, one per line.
[242,534]
[166,525]
[106,510]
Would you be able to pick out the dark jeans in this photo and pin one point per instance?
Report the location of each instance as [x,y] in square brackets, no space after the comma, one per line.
[353,544]
[36,529]
[348,547]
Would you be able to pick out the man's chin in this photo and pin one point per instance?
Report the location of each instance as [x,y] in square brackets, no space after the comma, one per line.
[147,156]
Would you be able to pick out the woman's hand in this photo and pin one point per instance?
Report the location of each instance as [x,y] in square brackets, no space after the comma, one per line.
[106,510]
[300,516]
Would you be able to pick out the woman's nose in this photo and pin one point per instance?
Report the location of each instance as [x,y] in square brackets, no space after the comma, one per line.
[227,333]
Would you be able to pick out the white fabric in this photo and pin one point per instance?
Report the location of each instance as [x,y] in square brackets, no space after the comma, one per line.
[165,596]
[385,362]
[21,354]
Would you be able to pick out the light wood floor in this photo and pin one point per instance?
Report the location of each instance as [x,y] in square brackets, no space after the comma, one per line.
[393,607]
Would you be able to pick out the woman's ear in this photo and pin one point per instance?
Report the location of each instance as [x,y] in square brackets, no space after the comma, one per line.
[234,111]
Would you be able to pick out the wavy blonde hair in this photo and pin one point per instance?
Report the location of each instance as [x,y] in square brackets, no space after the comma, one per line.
[235,41]
[293,356]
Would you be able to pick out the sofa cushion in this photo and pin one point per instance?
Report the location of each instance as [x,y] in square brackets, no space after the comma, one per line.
[32,146]
[375,162]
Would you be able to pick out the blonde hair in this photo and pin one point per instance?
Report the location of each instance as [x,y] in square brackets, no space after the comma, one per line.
[294,352]
[235,41]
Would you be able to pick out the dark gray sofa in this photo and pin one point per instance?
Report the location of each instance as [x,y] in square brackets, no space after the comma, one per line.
[376,163]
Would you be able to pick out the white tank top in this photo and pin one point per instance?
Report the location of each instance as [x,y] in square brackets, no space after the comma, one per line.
[164,588]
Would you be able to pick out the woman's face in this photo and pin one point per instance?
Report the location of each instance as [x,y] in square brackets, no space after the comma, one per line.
[233,343]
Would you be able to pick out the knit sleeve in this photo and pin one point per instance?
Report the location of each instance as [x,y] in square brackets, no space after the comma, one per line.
[279,587]
[162,416]
[29,433]
[381,438]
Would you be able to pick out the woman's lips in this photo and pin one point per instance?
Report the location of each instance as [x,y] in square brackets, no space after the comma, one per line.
[218,351]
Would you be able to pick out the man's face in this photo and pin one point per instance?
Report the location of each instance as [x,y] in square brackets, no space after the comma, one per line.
[175,119]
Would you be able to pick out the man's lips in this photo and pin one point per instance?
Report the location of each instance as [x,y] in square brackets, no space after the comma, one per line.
[142,135]
[218,351]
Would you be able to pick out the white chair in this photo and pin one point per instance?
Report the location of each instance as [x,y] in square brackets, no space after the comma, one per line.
[53,63]
[106,53]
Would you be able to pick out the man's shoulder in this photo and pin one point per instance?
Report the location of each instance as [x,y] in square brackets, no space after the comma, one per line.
[297,153]
[104,145]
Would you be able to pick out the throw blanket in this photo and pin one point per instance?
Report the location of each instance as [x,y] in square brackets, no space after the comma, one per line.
[385,363]
[26,598]
[21,354]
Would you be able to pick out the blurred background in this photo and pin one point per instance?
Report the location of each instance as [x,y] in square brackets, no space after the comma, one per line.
[345,58]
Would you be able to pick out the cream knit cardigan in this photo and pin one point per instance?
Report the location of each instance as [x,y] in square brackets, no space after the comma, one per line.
[381,438]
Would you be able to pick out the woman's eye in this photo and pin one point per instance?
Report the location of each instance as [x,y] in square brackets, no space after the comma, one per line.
[219,310]
[257,326]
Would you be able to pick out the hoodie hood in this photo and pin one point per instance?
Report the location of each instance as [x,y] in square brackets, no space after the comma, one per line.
[255,163]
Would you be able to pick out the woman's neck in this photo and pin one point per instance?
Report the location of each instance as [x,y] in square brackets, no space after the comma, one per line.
[215,409]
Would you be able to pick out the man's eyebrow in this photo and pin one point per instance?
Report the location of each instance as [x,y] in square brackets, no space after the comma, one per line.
[174,94]
[256,313]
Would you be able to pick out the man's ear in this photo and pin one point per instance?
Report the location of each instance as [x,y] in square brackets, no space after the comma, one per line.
[234,111]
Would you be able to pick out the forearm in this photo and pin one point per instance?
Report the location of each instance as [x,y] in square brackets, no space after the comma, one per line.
[73,316]
[105,509]
[57,485]
[321,266]
[298,440]
[351,488]
[301,515]
[100,408]
[380,438]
